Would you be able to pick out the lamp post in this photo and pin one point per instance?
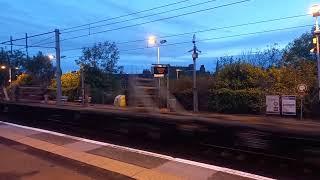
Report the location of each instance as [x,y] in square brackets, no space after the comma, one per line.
[177,71]
[83,94]
[3,67]
[315,11]
[152,41]
[57,57]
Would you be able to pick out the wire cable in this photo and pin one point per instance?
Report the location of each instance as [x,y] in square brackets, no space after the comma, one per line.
[148,22]
[21,45]
[18,39]
[134,13]
[208,30]
[218,38]
[142,17]
[43,40]
[223,37]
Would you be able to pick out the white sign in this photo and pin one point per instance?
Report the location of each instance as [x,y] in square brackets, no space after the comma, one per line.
[289,106]
[302,88]
[273,104]
[158,75]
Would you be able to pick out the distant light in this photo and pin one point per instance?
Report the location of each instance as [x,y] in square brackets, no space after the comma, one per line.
[51,57]
[152,40]
[17,68]
[3,67]
[315,10]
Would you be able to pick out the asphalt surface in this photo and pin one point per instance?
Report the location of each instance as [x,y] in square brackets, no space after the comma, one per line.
[20,162]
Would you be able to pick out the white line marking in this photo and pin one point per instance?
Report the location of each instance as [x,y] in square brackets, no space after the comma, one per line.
[203,165]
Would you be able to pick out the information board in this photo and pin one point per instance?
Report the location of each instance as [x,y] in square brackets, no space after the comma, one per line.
[160,71]
[289,106]
[273,104]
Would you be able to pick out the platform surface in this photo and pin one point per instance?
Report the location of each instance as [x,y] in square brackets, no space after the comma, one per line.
[124,162]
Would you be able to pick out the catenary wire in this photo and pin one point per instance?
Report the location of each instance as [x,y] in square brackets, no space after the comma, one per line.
[126,15]
[207,30]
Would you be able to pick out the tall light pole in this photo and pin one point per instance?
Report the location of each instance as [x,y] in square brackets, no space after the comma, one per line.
[152,41]
[315,11]
[177,71]
[3,67]
[58,57]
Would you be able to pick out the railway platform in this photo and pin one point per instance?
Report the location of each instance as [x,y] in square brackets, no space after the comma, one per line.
[113,161]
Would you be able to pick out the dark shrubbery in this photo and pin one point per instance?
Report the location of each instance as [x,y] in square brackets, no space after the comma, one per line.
[236,101]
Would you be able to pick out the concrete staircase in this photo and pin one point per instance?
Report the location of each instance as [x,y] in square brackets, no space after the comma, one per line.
[142,93]
[30,94]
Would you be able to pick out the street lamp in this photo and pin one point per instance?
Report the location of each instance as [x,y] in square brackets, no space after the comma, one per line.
[52,57]
[58,74]
[3,67]
[152,41]
[178,70]
[315,11]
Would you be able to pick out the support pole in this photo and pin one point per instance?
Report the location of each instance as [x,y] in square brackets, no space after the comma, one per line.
[82,86]
[10,75]
[168,88]
[11,44]
[317,31]
[158,61]
[301,110]
[159,79]
[27,51]
[195,92]
[58,70]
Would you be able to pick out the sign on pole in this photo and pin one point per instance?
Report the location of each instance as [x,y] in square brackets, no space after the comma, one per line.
[160,71]
[302,88]
[273,105]
[289,106]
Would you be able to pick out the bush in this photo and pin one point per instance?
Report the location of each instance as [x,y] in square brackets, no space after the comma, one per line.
[23,79]
[185,98]
[100,96]
[236,101]
[72,93]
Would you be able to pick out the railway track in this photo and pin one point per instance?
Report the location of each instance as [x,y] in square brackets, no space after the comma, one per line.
[283,156]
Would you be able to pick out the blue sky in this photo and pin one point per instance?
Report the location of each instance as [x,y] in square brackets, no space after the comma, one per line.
[36,16]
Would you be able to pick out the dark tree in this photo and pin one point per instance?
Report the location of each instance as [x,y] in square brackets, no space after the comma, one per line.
[299,50]
[103,56]
[40,68]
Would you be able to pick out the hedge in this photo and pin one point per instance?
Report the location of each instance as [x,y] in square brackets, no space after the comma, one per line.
[236,101]
[185,98]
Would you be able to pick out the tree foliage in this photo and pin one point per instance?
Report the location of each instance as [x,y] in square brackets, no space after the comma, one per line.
[299,50]
[40,68]
[102,56]
[70,80]
[71,85]
[239,75]
[241,82]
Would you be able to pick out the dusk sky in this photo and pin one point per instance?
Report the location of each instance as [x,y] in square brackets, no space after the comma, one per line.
[37,16]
